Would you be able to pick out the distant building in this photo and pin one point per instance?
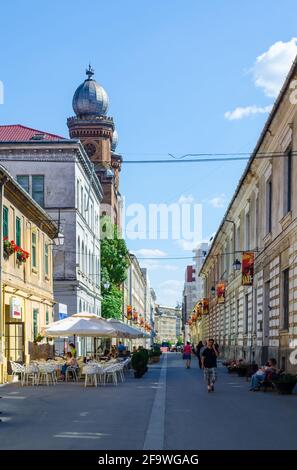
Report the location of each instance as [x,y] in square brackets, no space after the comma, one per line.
[167,324]
[193,286]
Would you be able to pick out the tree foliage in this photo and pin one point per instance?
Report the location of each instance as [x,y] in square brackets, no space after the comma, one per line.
[114,265]
[112,302]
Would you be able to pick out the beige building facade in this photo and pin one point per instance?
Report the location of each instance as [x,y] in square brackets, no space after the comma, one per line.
[260,321]
[26,272]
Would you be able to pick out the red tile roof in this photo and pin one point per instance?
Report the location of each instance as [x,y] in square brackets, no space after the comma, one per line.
[19,133]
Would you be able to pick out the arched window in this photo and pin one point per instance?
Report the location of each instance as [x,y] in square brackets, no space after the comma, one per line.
[86,261]
[82,257]
[78,253]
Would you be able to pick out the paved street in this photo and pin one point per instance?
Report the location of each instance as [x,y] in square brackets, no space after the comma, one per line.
[168,408]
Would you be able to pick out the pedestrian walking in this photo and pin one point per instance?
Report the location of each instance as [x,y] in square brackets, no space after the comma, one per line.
[187,354]
[198,349]
[209,364]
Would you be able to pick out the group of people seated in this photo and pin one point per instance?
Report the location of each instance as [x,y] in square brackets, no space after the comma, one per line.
[269,372]
[116,352]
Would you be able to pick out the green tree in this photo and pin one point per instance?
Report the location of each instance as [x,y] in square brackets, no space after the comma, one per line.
[179,341]
[114,264]
[111,306]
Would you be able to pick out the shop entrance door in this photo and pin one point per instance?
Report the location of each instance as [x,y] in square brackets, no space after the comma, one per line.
[14,341]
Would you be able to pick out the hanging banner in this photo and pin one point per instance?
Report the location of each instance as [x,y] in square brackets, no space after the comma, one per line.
[129,312]
[247,266]
[205,306]
[221,293]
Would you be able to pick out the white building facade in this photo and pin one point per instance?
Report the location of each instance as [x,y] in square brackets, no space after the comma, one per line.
[70,193]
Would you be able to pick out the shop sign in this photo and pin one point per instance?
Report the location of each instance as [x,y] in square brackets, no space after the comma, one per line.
[15,308]
[62,311]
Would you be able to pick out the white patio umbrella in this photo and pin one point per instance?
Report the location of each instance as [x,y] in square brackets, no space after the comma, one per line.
[126,331]
[81,324]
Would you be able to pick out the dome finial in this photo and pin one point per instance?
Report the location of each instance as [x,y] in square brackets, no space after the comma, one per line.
[90,72]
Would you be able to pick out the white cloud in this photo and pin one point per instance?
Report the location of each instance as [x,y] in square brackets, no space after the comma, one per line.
[218,201]
[150,252]
[169,292]
[186,199]
[271,67]
[269,72]
[242,112]
[155,265]
[172,284]
[188,245]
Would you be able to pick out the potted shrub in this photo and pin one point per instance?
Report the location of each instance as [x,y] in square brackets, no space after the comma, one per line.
[285,383]
[242,370]
[139,363]
[155,354]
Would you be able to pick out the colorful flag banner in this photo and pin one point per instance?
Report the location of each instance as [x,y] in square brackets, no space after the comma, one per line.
[247,268]
[221,293]
[205,306]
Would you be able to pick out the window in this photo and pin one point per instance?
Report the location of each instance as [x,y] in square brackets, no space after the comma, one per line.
[246,326]
[82,200]
[5,221]
[34,253]
[46,259]
[47,317]
[257,222]
[247,231]
[18,235]
[82,257]
[285,299]
[238,245]
[288,182]
[268,206]
[78,252]
[38,189]
[23,181]
[77,195]
[35,323]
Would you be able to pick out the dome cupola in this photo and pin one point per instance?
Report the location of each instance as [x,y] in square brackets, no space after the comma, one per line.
[90,98]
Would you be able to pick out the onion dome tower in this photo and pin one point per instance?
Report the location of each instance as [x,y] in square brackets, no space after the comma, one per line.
[97,133]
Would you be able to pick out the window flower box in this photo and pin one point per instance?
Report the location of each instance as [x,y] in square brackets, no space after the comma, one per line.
[8,247]
[22,255]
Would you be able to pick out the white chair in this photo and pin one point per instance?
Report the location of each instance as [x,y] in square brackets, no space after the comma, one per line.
[17,370]
[90,373]
[73,371]
[110,373]
[30,374]
[46,374]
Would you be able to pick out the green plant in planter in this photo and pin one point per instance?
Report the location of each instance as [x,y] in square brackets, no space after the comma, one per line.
[38,338]
[139,363]
[285,383]
[242,369]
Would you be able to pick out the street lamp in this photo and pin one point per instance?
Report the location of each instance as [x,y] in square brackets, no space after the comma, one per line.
[106,285]
[236,265]
[59,239]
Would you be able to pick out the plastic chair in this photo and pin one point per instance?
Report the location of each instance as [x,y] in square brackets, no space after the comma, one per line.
[90,373]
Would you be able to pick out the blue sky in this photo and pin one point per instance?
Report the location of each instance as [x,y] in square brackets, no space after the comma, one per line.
[172,69]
